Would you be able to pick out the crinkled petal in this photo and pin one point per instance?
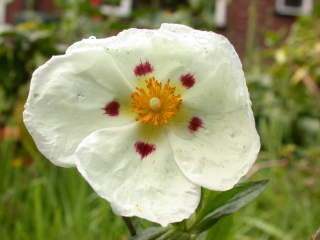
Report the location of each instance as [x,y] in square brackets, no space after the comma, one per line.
[66,101]
[136,46]
[171,54]
[219,152]
[222,89]
[220,83]
[152,187]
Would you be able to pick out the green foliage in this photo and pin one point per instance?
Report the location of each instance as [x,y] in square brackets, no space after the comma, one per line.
[41,201]
[197,13]
[225,204]
[150,233]
[221,230]
[286,93]
[145,14]
[23,47]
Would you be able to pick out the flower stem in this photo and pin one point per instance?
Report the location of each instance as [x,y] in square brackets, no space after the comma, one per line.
[130,226]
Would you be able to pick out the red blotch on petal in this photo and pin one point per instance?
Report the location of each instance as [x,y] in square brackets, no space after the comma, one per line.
[187,80]
[112,108]
[194,124]
[143,69]
[144,149]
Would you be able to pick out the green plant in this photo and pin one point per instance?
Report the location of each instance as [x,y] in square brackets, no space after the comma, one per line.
[22,48]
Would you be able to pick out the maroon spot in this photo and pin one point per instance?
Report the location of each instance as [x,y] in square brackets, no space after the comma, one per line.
[144,149]
[194,124]
[143,69]
[187,80]
[112,108]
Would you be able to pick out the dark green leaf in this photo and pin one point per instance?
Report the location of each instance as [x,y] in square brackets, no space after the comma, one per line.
[215,200]
[150,233]
[227,203]
[221,230]
[175,235]
[158,233]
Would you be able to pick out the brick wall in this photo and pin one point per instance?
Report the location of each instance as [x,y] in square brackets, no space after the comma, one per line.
[266,19]
[16,6]
[13,9]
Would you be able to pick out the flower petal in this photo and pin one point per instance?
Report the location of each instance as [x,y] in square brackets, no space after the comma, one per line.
[147,184]
[217,71]
[218,153]
[133,47]
[223,89]
[67,99]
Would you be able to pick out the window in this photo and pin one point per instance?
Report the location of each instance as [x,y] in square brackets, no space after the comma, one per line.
[294,7]
[293,3]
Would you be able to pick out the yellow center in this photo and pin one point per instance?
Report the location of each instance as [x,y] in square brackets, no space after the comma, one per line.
[155,103]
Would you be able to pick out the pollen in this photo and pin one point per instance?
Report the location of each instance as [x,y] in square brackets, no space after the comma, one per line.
[155,102]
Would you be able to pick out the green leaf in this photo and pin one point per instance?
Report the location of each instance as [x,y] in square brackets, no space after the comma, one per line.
[175,235]
[227,203]
[150,233]
[215,199]
[221,230]
[159,233]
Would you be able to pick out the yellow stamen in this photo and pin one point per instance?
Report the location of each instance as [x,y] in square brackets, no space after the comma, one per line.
[155,104]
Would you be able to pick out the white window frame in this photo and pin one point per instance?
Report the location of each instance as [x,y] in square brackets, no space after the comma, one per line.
[2,12]
[305,9]
[220,13]
[123,10]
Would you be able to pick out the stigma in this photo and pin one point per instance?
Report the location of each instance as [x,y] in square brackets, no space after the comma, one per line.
[155,103]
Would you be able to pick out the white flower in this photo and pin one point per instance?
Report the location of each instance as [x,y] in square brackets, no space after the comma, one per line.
[148,117]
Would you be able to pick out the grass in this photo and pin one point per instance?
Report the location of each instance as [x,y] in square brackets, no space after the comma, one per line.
[46,202]
[288,210]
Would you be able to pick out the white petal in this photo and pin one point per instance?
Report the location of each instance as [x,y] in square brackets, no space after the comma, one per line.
[178,28]
[217,70]
[222,86]
[152,188]
[135,46]
[172,50]
[218,154]
[66,98]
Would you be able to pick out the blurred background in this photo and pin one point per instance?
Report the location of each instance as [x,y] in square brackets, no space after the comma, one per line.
[279,43]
